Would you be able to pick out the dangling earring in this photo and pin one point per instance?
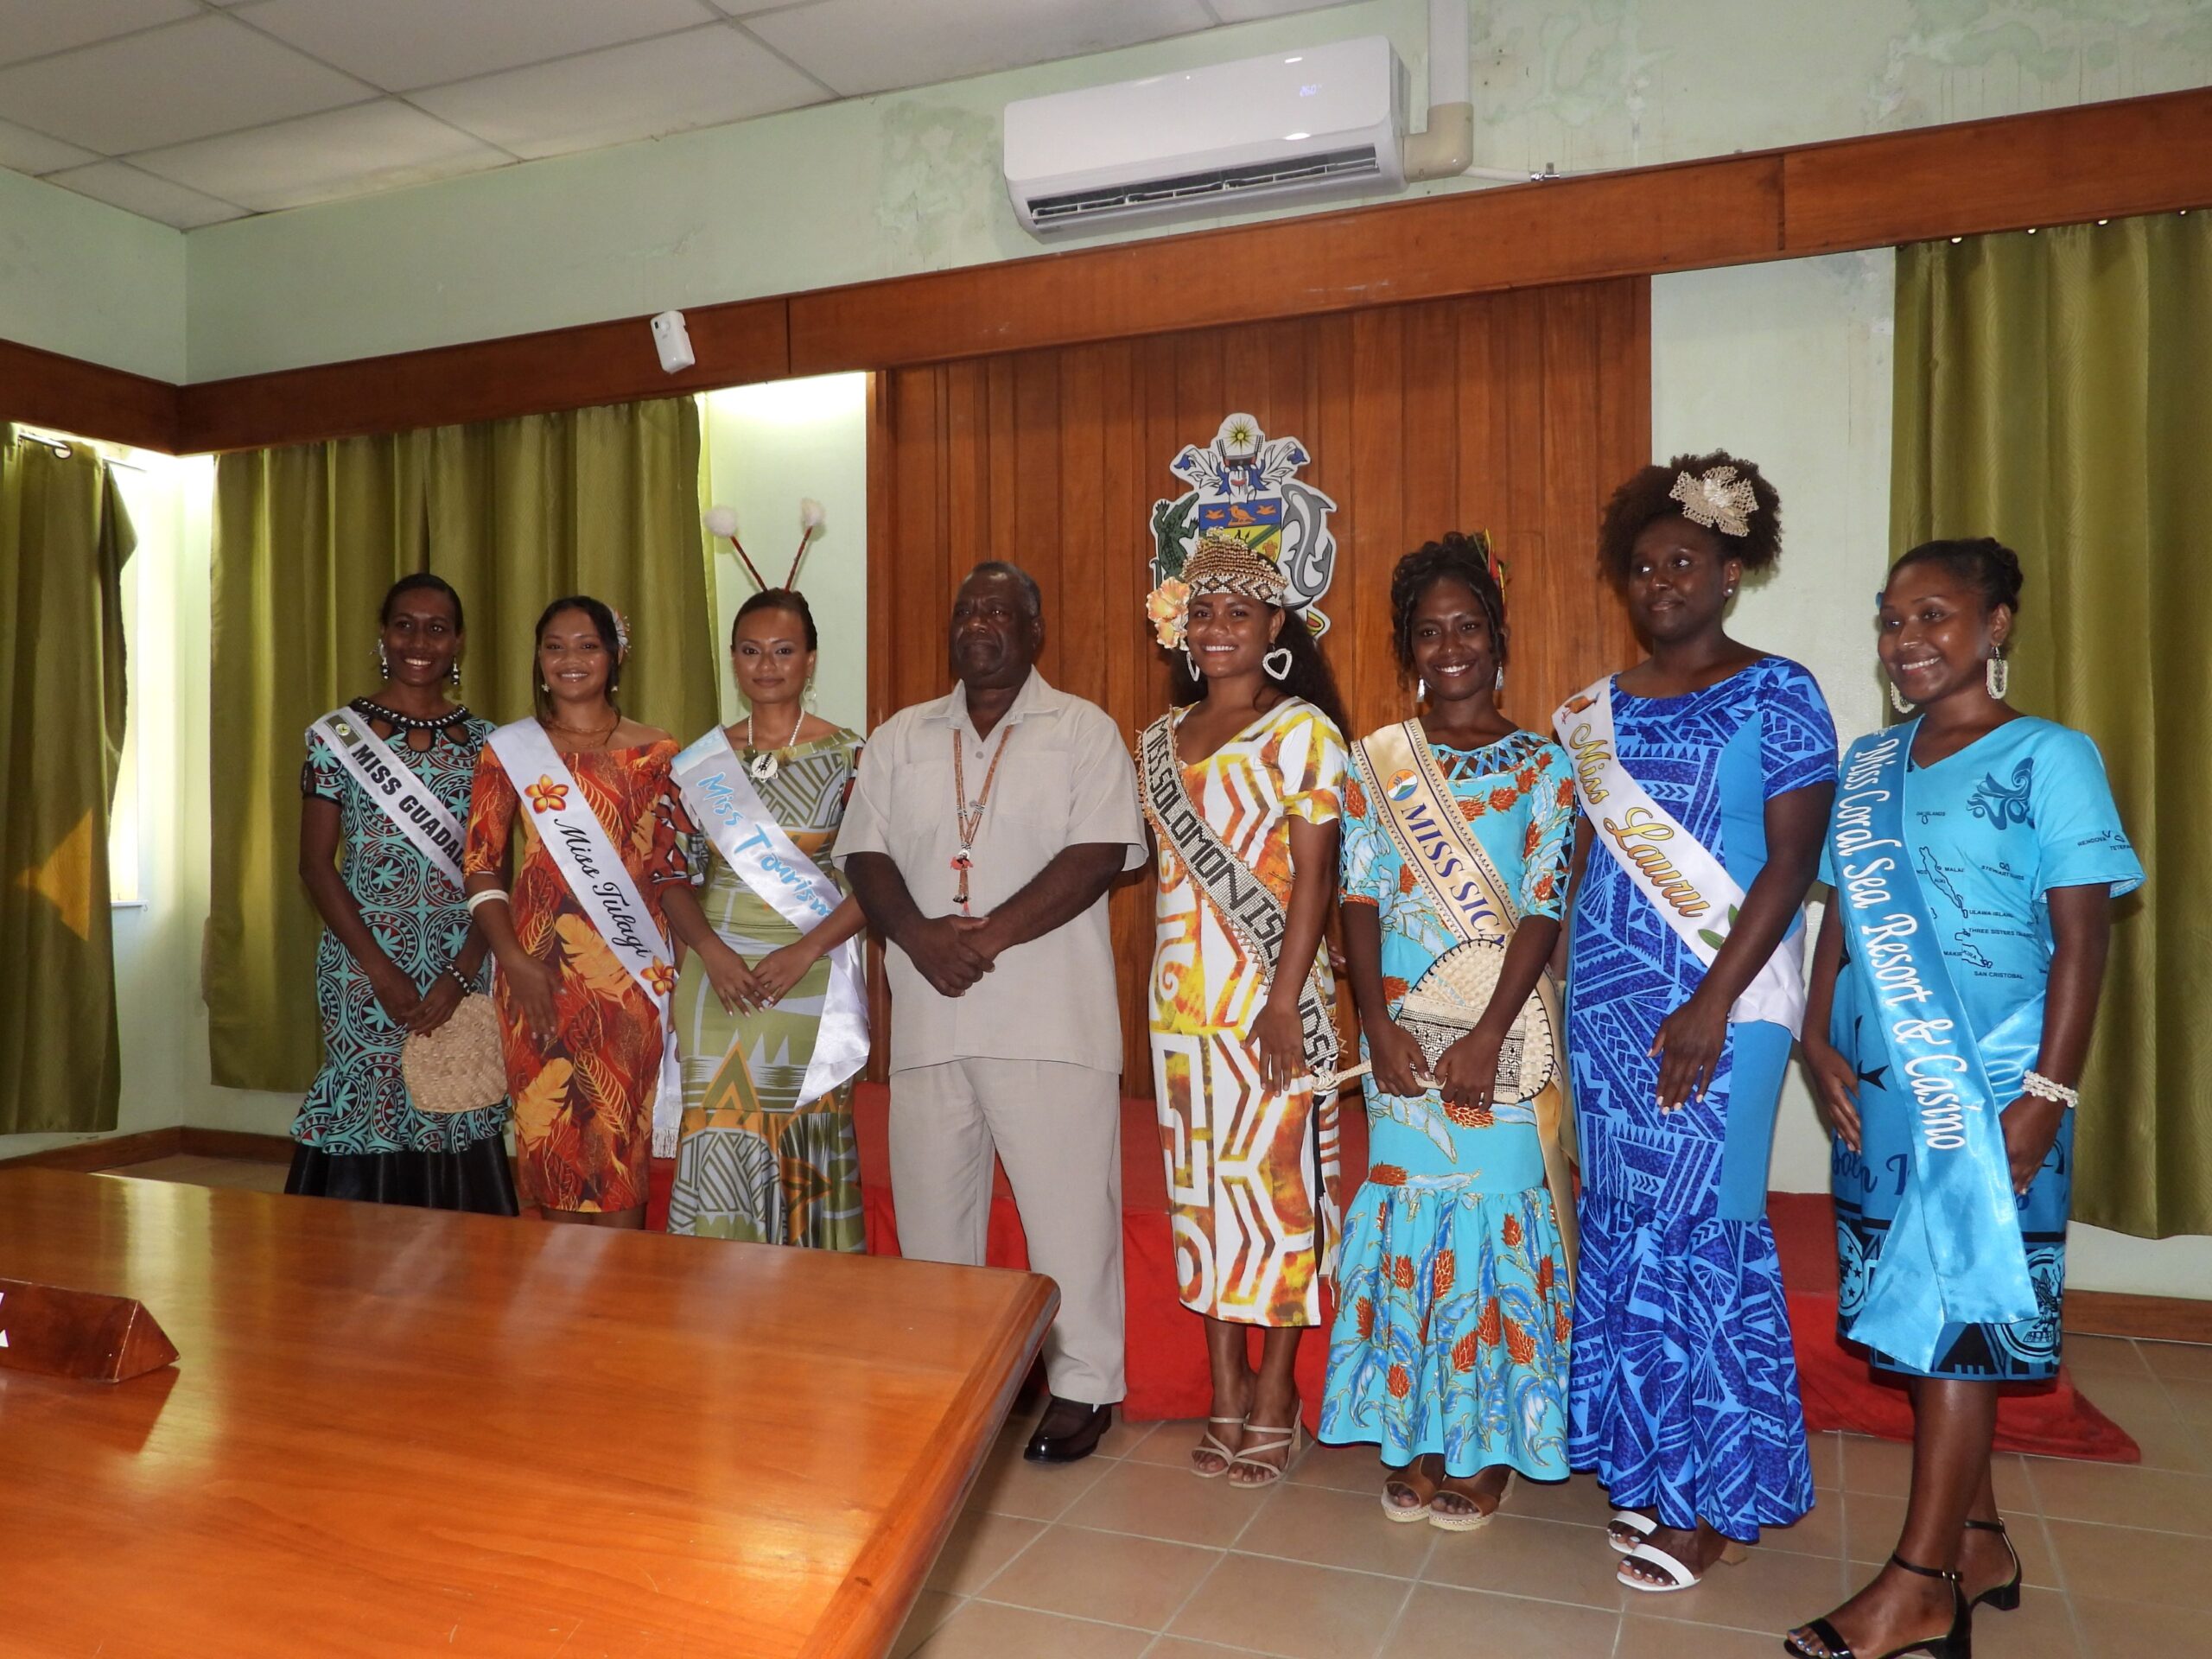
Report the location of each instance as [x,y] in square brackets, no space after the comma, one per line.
[1500,686]
[1997,675]
[1896,700]
[1421,690]
[1190,661]
[456,673]
[808,700]
[1267,662]
[383,662]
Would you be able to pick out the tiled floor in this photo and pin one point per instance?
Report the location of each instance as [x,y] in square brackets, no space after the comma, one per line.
[1125,1556]
[1128,1557]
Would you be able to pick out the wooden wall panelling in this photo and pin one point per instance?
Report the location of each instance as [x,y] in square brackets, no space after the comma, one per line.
[2096,161]
[1673,217]
[484,380]
[55,393]
[1518,412]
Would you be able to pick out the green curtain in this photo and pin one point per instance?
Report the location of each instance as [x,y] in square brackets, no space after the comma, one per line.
[514,513]
[2054,390]
[64,539]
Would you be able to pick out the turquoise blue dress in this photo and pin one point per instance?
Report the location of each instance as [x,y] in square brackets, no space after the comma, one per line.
[1684,1396]
[1990,830]
[1452,1302]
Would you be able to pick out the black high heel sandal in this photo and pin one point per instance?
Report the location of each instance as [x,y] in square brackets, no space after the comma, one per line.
[2004,1598]
[1957,1643]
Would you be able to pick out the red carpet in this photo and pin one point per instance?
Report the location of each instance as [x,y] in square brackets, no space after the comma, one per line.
[1166,1348]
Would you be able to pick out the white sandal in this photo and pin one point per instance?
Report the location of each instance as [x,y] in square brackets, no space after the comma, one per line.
[1208,1445]
[1286,1440]
[1679,1576]
[1629,1520]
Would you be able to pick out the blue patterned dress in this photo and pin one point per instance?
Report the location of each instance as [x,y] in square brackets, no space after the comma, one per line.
[1451,1332]
[1991,830]
[1683,1397]
[359,1134]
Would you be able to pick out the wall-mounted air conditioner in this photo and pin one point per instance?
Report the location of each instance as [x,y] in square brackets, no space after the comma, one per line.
[1291,126]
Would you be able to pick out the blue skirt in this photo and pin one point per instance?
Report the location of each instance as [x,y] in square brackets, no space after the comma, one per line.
[1869,1186]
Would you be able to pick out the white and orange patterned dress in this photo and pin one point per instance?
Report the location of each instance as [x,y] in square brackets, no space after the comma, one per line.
[1252,1182]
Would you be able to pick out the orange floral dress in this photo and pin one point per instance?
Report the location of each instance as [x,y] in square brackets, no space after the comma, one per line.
[583,1103]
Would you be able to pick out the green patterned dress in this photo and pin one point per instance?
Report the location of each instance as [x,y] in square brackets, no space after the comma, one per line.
[756,1162]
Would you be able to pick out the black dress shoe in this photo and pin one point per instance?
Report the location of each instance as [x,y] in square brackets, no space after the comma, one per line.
[1068,1430]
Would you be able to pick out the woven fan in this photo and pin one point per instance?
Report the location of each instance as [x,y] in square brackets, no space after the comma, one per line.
[1451,997]
[458,1067]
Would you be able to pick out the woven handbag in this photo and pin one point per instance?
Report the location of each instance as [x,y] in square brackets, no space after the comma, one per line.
[458,1067]
[1452,996]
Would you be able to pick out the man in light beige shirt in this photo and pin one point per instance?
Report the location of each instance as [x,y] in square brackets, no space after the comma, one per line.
[982,833]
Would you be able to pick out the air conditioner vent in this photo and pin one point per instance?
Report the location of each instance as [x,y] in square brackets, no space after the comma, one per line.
[1326,123]
[1344,165]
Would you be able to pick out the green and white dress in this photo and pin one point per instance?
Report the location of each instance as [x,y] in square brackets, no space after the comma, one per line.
[755,1162]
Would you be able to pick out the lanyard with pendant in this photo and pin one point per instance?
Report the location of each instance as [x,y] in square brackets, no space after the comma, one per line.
[969,814]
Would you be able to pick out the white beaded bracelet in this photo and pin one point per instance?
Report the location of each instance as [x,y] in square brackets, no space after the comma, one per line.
[2043,1087]
[486,897]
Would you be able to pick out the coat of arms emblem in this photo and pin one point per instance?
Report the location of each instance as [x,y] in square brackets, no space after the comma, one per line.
[1245,484]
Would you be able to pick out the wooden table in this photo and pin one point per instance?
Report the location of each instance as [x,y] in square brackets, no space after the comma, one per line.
[394,1432]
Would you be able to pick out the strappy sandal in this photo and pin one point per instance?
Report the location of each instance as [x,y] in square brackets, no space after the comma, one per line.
[1954,1643]
[1628,1521]
[1678,1574]
[1291,1441]
[1209,1445]
[2004,1598]
[1469,1519]
[1398,1480]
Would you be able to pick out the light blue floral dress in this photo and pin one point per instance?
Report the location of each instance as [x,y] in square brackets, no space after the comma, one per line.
[1990,831]
[1452,1301]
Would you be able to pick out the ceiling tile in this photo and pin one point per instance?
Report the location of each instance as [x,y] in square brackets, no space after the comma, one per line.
[699,79]
[403,44]
[31,28]
[121,185]
[349,152]
[26,151]
[168,85]
[863,45]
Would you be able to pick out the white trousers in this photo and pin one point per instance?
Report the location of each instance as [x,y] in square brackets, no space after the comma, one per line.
[1058,1128]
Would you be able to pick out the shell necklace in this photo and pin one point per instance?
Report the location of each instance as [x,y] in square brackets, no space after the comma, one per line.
[763,765]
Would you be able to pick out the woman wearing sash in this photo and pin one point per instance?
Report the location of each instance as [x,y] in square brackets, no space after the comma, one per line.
[1704,774]
[1975,853]
[770,1015]
[584,969]
[397,951]
[1244,777]
[1450,1347]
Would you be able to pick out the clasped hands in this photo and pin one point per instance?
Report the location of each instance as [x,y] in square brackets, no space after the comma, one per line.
[743,990]
[952,952]
[1466,1073]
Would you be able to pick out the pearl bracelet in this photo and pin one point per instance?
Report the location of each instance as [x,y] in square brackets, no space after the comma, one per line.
[2043,1087]
[486,897]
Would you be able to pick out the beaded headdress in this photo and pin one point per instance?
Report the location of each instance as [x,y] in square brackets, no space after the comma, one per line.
[1718,500]
[1219,564]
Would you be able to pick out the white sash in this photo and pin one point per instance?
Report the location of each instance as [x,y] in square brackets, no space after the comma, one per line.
[602,883]
[1669,865]
[395,790]
[725,805]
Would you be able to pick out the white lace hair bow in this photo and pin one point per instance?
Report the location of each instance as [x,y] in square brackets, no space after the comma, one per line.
[1719,501]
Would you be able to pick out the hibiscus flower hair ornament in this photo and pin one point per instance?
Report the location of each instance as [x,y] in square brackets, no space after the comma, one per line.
[1718,500]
